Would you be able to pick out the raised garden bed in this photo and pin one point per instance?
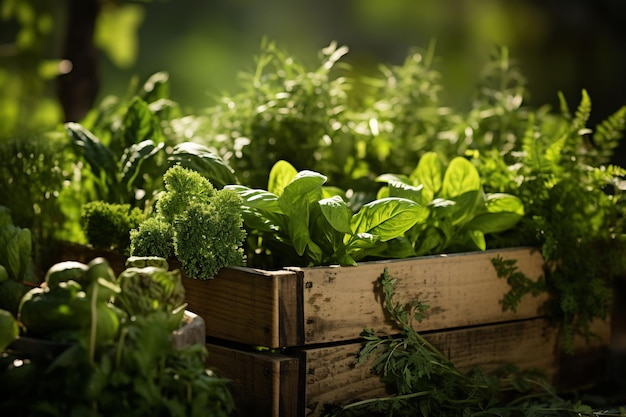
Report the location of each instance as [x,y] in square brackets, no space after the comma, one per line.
[289,339]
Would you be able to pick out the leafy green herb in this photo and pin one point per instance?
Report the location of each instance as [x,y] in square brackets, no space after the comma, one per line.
[303,216]
[108,225]
[423,381]
[205,225]
[153,237]
[460,214]
[120,362]
[33,169]
[129,144]
[286,110]
[574,211]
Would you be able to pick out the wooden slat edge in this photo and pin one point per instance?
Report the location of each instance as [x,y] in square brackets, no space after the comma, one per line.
[240,304]
[262,384]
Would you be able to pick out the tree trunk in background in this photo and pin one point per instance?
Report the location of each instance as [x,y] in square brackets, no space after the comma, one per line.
[77,90]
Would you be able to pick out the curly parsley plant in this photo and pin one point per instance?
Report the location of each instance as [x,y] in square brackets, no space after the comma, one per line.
[202,225]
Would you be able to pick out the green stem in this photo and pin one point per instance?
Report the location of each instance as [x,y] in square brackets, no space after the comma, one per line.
[120,347]
[94,324]
[390,398]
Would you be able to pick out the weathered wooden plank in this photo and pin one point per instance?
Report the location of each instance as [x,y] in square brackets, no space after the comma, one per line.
[262,385]
[462,290]
[333,375]
[248,305]
[329,374]
[304,306]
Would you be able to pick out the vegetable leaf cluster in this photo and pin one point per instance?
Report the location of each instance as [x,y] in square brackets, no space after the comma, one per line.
[308,223]
[460,213]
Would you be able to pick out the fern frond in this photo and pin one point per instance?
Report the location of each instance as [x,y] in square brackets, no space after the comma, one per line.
[608,134]
[539,156]
[563,106]
[583,111]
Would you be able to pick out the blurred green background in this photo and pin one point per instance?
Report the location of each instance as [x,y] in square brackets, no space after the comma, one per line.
[560,45]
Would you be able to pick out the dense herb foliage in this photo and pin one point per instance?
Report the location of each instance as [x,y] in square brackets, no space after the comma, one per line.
[575,211]
[16,261]
[200,225]
[108,225]
[300,221]
[460,213]
[285,111]
[33,170]
[424,382]
[129,144]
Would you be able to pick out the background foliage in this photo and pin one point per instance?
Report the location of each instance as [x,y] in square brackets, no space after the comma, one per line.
[562,45]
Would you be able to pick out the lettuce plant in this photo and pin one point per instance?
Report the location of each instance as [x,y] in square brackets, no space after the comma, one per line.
[460,213]
[305,223]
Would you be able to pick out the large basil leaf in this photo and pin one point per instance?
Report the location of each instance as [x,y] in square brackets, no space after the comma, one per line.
[295,202]
[494,222]
[466,206]
[410,192]
[337,213]
[500,202]
[261,209]
[98,156]
[388,218]
[460,177]
[140,124]
[304,185]
[133,158]
[429,173]
[503,211]
[257,199]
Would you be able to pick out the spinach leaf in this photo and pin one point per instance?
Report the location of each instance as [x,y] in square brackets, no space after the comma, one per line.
[458,212]
[336,211]
[295,202]
[281,174]
[460,177]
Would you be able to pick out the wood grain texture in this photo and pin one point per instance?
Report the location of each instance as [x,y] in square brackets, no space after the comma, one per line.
[312,377]
[333,375]
[263,385]
[248,305]
[305,306]
[461,289]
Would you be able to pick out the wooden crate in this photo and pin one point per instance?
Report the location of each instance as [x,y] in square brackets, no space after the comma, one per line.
[314,317]
[307,306]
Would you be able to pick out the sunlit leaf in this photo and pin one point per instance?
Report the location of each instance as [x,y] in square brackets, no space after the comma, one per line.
[281,174]
[388,218]
[337,213]
[460,177]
